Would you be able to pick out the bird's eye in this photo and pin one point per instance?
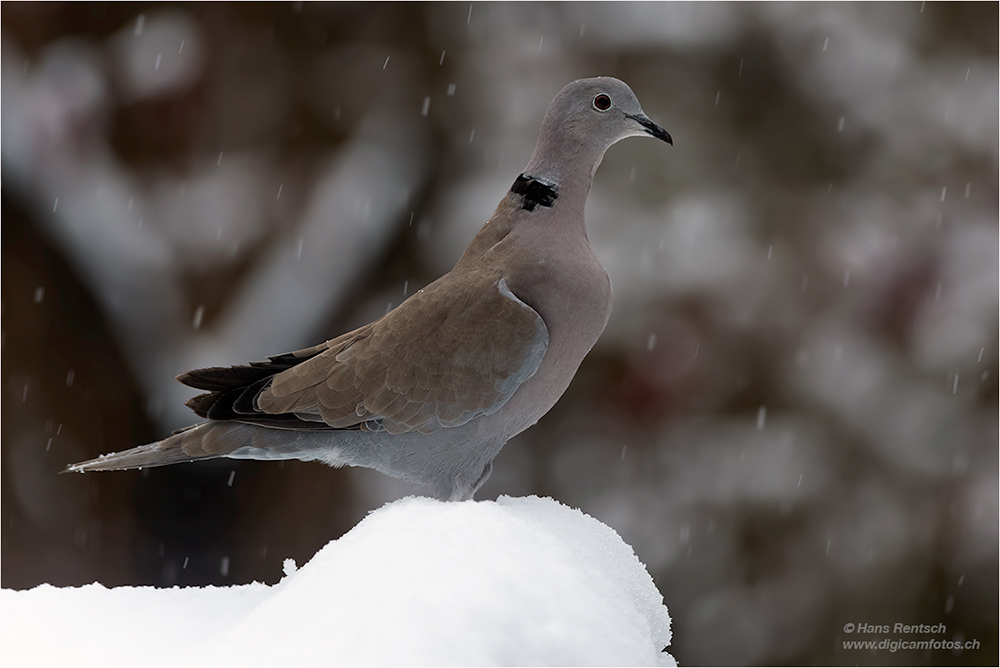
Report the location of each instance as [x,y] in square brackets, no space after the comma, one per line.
[602,102]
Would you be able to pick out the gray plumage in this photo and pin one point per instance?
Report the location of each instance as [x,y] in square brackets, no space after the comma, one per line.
[431,391]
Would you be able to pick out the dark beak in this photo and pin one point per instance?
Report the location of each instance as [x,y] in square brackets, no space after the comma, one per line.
[652,128]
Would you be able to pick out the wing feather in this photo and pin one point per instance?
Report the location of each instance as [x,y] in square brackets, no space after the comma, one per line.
[456,350]
[441,358]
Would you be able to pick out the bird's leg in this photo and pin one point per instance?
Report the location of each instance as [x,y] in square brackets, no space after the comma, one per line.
[462,492]
[487,470]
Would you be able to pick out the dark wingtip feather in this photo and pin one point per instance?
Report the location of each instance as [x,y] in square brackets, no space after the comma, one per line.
[201,403]
[231,390]
[218,379]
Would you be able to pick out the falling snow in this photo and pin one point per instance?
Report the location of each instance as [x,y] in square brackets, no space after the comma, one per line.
[847,322]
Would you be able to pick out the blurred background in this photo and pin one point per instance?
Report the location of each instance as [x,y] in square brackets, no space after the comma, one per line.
[792,415]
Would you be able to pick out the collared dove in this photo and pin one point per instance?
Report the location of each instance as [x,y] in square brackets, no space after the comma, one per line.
[432,391]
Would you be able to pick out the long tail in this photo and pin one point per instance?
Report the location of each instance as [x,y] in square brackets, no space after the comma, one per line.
[223,438]
[206,440]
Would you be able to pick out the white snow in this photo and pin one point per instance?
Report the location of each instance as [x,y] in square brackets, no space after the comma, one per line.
[518,581]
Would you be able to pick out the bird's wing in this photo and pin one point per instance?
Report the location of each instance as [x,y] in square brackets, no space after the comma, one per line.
[452,352]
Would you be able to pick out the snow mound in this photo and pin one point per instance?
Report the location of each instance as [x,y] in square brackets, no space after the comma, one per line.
[519,581]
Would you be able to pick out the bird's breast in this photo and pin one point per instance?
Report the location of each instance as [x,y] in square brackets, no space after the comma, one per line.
[572,294]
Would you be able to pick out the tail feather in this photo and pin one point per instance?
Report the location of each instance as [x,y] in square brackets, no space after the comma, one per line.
[206,440]
[136,458]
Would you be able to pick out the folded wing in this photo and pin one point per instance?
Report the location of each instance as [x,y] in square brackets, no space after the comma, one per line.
[442,358]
